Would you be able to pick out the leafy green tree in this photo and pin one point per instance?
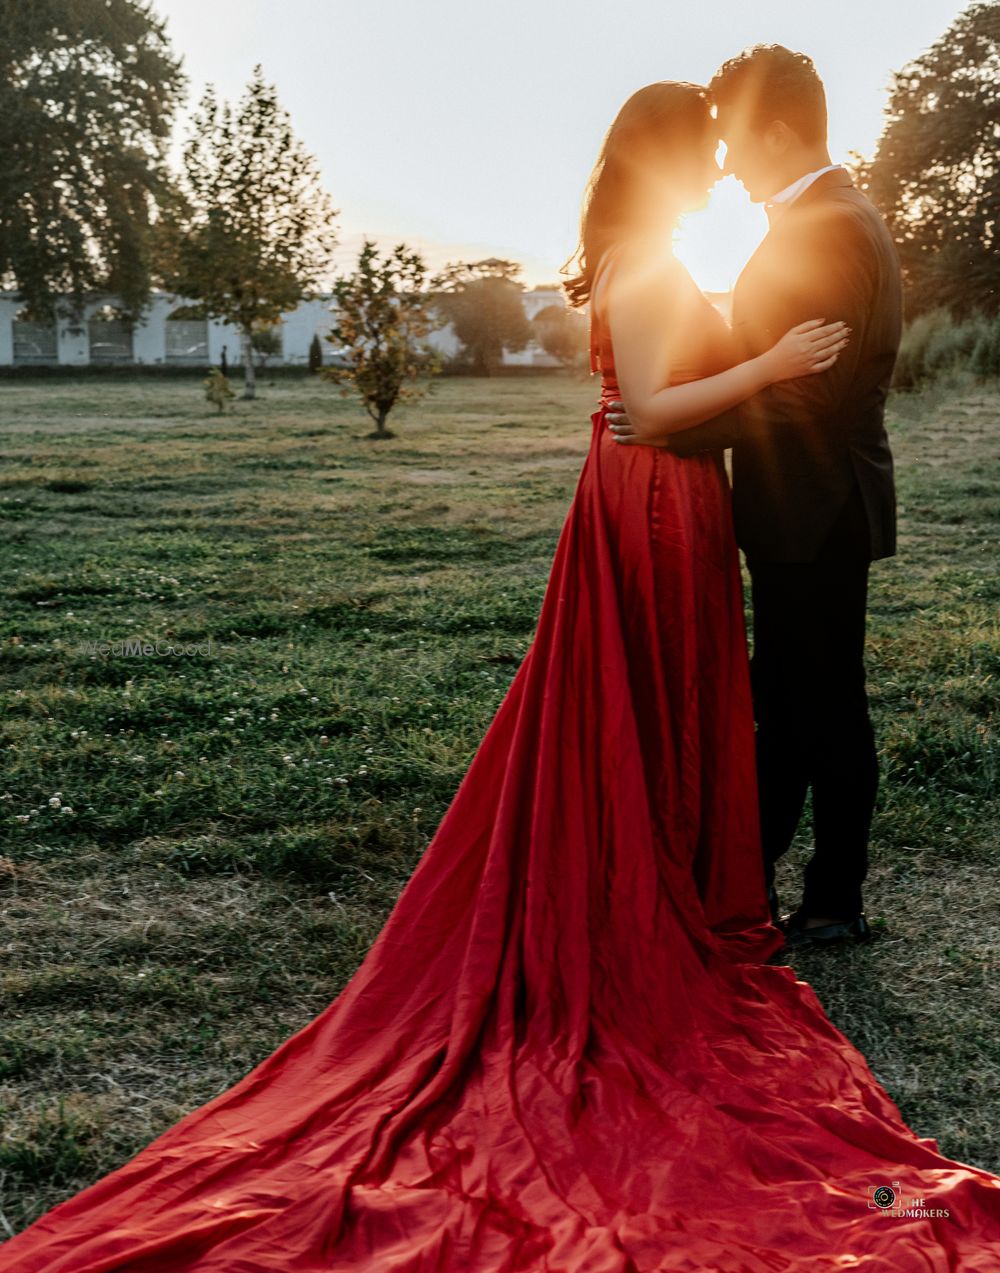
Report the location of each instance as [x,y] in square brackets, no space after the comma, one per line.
[936,175]
[253,231]
[482,300]
[563,334]
[266,343]
[383,318]
[88,92]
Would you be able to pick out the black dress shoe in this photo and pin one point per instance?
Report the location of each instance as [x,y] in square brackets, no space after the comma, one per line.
[854,929]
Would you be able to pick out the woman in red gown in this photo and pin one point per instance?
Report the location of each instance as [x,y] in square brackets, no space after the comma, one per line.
[564,1053]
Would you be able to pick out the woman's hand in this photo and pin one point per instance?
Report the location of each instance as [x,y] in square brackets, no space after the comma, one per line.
[806,349]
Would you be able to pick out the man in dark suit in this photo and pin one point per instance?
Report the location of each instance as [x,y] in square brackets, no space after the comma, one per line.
[812,474]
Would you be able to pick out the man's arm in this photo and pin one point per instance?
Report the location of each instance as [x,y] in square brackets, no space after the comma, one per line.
[714,435]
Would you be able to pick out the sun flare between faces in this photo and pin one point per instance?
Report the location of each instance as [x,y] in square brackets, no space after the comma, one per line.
[715,242]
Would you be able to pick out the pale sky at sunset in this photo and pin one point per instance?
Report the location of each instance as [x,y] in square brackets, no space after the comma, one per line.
[468,128]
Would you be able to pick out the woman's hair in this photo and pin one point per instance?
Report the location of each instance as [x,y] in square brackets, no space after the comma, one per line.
[659,122]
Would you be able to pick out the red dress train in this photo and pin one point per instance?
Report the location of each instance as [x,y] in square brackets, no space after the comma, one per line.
[564,1053]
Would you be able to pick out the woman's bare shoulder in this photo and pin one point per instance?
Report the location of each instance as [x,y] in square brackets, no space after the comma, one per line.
[643,275]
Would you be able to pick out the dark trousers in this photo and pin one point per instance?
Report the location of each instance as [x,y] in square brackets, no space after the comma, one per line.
[811,710]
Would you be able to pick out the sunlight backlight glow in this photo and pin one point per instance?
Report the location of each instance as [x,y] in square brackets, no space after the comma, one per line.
[715,242]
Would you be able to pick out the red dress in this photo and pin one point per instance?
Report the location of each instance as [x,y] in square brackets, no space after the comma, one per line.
[563,1053]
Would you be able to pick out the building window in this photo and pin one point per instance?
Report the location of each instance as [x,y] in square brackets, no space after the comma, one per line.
[110,337]
[34,343]
[187,337]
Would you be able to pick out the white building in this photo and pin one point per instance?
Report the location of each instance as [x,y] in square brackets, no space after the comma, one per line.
[168,335]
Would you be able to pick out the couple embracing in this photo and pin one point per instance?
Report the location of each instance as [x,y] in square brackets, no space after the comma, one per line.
[797,388]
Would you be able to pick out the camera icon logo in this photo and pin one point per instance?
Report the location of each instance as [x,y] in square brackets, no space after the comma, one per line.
[884,1197]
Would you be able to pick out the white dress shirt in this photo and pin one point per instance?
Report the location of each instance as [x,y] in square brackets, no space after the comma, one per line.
[777,202]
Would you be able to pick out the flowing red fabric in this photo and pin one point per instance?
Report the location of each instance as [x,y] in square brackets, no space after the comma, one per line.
[564,1052]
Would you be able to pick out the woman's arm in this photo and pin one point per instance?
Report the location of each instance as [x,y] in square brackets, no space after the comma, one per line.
[644,316]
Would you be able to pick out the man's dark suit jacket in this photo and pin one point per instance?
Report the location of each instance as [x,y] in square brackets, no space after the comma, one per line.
[800,446]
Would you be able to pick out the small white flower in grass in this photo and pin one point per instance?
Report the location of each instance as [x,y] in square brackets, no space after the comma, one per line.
[369,750]
[66,809]
[342,781]
[33,813]
[323,739]
[180,775]
[24,817]
[54,802]
[314,700]
[363,769]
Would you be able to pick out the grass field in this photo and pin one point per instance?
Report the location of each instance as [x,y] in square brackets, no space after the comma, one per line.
[198,850]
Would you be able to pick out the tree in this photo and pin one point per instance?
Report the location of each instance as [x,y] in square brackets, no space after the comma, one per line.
[315,354]
[218,389]
[266,343]
[482,299]
[936,176]
[87,97]
[383,318]
[252,233]
[563,333]
[985,360]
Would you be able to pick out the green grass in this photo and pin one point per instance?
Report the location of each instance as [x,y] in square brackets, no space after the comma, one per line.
[242,820]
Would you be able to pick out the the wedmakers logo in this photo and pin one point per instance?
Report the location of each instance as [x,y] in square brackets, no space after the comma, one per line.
[889,1200]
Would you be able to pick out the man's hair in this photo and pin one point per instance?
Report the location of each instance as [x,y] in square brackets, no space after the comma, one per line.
[771,82]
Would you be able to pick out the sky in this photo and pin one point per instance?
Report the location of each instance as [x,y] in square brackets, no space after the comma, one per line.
[468,128]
